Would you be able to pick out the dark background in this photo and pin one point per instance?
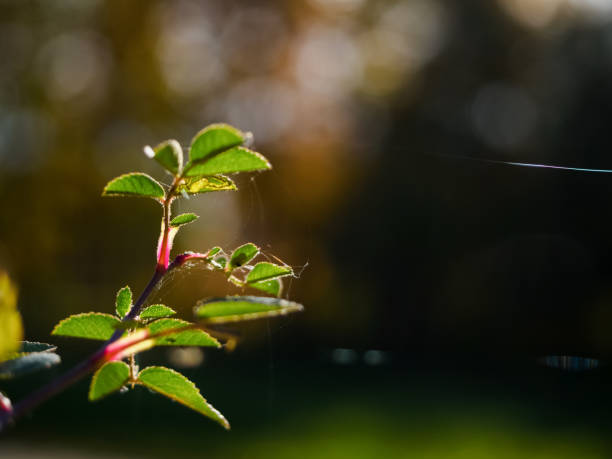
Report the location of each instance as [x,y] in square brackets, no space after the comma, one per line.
[434,276]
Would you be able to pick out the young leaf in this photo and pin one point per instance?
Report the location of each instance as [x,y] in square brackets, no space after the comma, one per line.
[242,255]
[177,387]
[237,159]
[212,252]
[109,378]
[183,219]
[196,185]
[239,308]
[123,303]
[134,184]
[264,271]
[11,329]
[170,155]
[219,262]
[157,311]
[28,363]
[214,139]
[91,325]
[273,286]
[192,337]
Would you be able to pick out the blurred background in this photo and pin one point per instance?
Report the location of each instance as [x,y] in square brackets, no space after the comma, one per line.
[434,276]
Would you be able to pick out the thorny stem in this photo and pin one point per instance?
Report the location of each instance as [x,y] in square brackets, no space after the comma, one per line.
[102,355]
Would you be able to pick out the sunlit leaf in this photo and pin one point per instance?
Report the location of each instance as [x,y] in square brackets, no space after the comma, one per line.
[214,139]
[273,286]
[170,155]
[134,184]
[28,363]
[220,262]
[123,303]
[11,329]
[192,337]
[108,379]
[183,219]
[265,271]
[237,159]
[212,252]
[91,325]
[242,255]
[239,308]
[196,185]
[180,389]
[157,311]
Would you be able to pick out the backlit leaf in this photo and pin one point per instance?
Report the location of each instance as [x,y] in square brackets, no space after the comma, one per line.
[123,303]
[157,311]
[192,337]
[214,139]
[11,329]
[91,325]
[183,219]
[134,184]
[242,255]
[265,271]
[237,159]
[239,308]
[196,185]
[273,286]
[212,252]
[220,262]
[177,387]
[108,379]
[170,155]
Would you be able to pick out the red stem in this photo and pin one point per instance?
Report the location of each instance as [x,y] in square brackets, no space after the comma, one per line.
[101,355]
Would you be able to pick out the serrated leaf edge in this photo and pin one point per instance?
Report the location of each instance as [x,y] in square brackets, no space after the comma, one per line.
[118,194]
[81,315]
[221,420]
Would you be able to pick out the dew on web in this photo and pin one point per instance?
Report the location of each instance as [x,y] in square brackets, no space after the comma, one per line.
[172,280]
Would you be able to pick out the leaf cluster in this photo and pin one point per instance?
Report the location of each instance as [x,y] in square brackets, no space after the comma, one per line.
[216,152]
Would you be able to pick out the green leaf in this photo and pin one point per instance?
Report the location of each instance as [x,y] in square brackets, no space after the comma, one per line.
[237,159]
[109,378]
[212,252]
[239,308]
[183,219]
[219,262]
[192,337]
[273,287]
[196,185]
[177,387]
[265,271]
[28,363]
[123,303]
[134,184]
[242,255]
[91,325]
[170,155]
[11,328]
[214,139]
[157,311]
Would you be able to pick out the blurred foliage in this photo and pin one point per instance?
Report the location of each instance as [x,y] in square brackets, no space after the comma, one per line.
[11,328]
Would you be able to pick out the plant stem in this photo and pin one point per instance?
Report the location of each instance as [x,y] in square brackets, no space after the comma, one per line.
[100,356]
